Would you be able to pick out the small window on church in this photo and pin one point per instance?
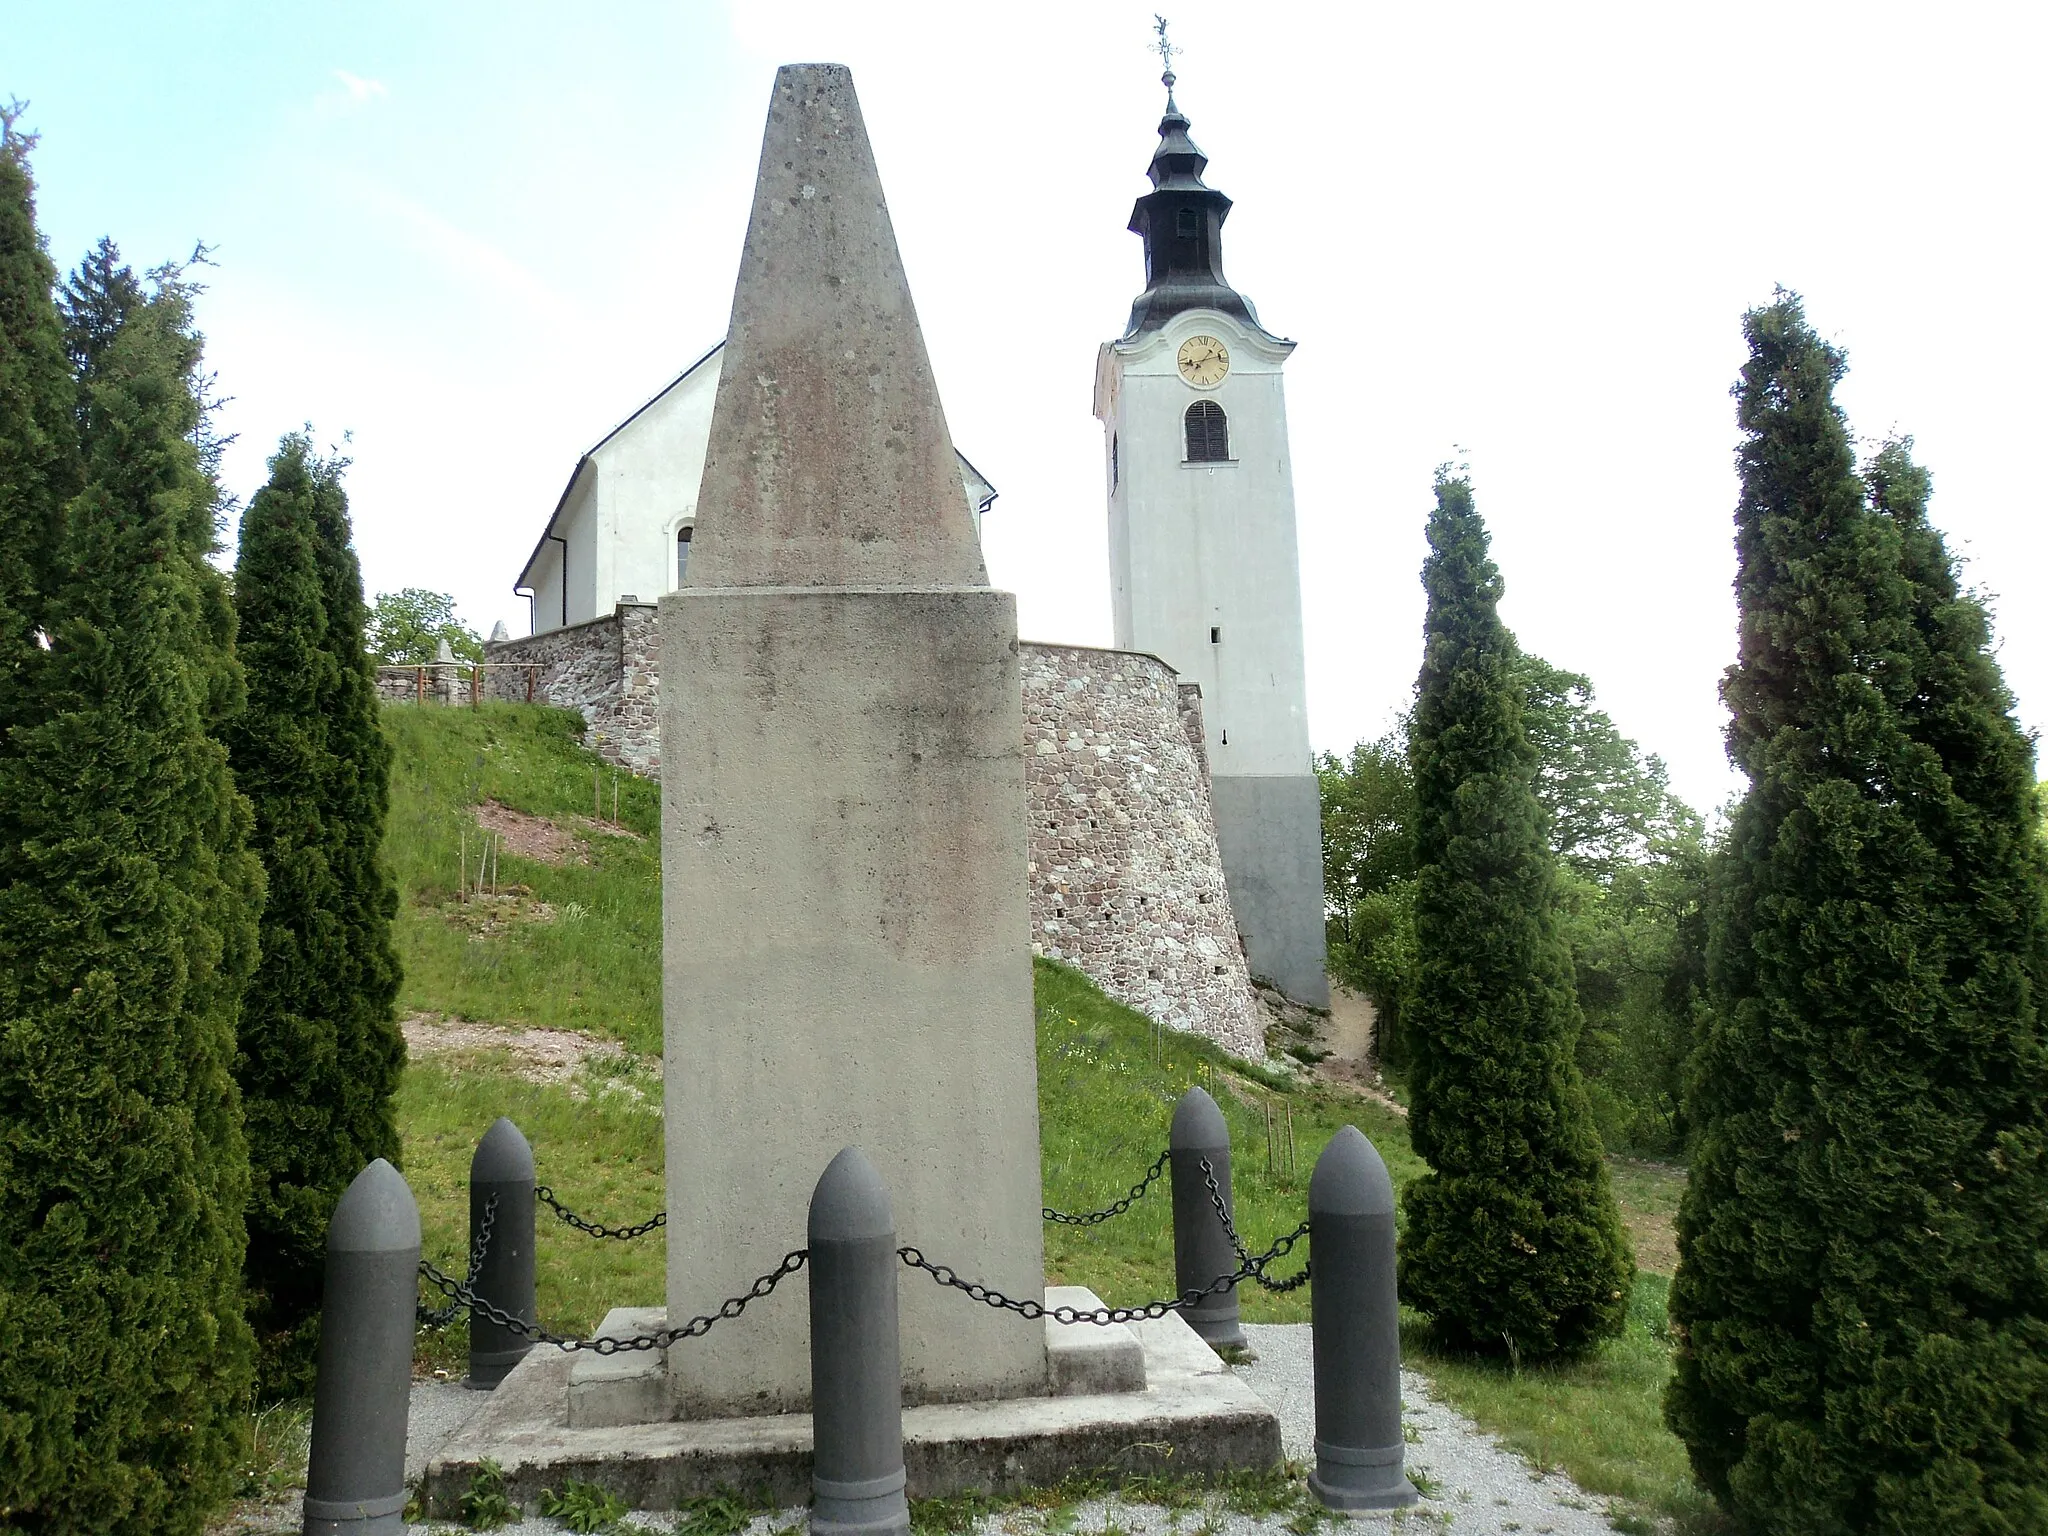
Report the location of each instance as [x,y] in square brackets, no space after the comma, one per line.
[682,553]
[1184,223]
[1208,433]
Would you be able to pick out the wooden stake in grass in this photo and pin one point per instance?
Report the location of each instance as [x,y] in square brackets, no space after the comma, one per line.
[615,799]
[461,864]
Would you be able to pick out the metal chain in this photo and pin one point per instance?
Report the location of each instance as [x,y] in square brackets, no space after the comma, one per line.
[1095,1218]
[1292,1282]
[1250,1269]
[695,1328]
[441,1317]
[547,1198]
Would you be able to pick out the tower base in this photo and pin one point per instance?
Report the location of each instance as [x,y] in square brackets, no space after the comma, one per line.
[1270,832]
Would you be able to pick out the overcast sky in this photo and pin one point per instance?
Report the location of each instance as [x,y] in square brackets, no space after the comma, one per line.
[476,236]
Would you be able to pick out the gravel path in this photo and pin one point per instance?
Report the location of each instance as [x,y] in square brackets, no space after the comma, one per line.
[1474,1487]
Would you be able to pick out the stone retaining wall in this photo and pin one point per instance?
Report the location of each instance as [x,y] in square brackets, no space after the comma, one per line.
[1126,880]
[607,670]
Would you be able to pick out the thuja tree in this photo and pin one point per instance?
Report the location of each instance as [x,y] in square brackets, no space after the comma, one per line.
[1513,1240]
[38,453]
[1861,1302]
[319,1048]
[127,933]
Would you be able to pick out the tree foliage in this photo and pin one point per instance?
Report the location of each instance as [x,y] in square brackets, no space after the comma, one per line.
[1861,1300]
[1631,883]
[319,1051]
[1512,1238]
[127,932]
[38,448]
[406,628]
[1368,801]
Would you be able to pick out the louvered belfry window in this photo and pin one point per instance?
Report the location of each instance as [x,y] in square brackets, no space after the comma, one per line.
[1208,433]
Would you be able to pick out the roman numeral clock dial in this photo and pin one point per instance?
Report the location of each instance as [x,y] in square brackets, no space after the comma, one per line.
[1204,361]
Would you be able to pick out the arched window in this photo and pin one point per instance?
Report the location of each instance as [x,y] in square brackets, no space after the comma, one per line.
[1208,433]
[683,552]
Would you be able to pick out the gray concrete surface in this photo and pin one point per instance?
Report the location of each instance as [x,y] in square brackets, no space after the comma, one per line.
[1474,1488]
[1193,1414]
[847,933]
[1269,829]
[829,462]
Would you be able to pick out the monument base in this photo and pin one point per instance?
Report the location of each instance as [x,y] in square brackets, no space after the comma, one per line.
[1189,1416]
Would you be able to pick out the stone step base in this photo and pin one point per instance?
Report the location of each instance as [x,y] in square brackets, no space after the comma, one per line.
[1192,1416]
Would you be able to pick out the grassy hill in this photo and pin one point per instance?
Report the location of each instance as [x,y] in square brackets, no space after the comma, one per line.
[572,942]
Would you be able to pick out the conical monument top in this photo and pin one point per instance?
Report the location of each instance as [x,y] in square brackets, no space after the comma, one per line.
[829,464]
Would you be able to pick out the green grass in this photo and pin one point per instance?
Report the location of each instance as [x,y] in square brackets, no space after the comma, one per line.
[601,1155]
[1106,1092]
[1104,1105]
[1599,1419]
[596,964]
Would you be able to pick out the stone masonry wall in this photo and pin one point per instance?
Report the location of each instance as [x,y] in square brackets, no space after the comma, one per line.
[1126,880]
[608,670]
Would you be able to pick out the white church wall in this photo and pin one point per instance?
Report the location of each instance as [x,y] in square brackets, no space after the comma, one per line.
[630,495]
[648,472]
[576,528]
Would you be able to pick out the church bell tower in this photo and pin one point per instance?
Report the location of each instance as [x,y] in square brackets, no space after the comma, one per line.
[1203,567]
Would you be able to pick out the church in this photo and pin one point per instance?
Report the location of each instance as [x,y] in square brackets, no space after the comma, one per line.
[1175,840]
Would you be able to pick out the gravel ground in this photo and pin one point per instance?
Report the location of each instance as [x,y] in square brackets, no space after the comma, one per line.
[1474,1487]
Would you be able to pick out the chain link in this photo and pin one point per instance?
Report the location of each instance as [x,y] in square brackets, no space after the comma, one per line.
[695,1328]
[441,1317]
[1251,1269]
[1096,1218]
[1292,1282]
[547,1198]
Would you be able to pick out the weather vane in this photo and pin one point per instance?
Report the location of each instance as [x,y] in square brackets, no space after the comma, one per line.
[1166,51]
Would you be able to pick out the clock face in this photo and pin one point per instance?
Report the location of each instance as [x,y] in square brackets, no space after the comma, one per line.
[1204,361]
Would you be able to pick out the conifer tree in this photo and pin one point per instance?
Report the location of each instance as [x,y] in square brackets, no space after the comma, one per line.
[319,1050]
[38,451]
[127,932]
[1513,1239]
[1861,1300]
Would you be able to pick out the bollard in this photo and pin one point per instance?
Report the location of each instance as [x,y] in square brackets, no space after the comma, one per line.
[1356,1329]
[1202,1253]
[503,1166]
[856,1371]
[355,1469]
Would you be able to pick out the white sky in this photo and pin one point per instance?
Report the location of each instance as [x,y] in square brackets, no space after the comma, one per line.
[476,236]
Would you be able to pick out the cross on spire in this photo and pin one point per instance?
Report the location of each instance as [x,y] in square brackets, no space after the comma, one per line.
[1166,51]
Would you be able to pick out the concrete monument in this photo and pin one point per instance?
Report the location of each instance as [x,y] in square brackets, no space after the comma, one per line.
[846,928]
[846,932]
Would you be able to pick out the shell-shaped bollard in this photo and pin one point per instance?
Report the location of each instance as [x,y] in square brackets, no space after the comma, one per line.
[857,1474]
[502,1169]
[1356,1330]
[1202,1253]
[355,1472]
